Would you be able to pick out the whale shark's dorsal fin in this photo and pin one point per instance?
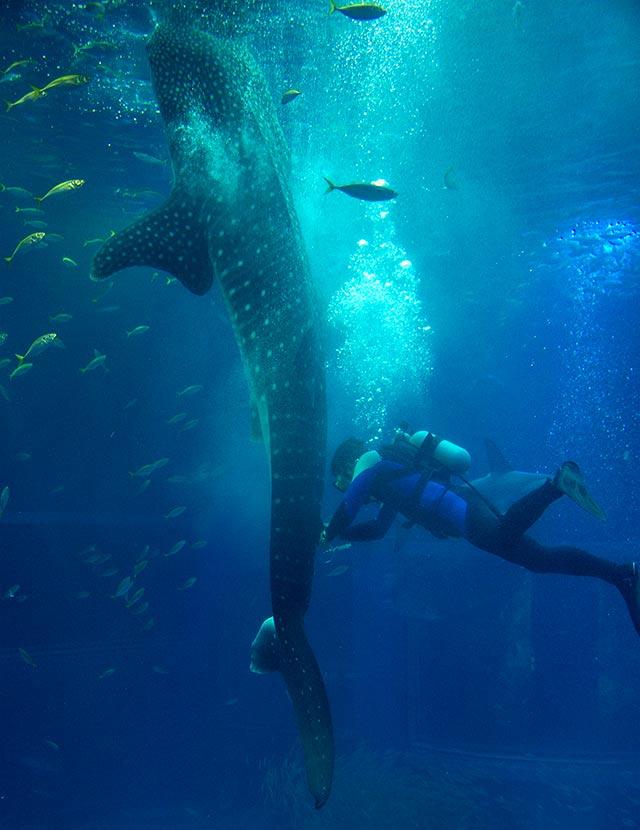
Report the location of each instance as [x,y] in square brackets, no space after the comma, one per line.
[498,464]
[171,238]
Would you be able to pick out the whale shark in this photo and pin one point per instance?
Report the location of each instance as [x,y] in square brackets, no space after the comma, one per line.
[502,486]
[230,219]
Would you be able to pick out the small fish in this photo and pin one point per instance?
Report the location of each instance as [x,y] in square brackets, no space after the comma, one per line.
[175,512]
[40,344]
[6,300]
[337,548]
[33,25]
[70,263]
[143,487]
[143,553]
[63,187]
[188,583]
[177,479]
[28,659]
[23,456]
[106,673]
[3,339]
[65,80]
[28,242]
[289,95]
[140,609]
[137,596]
[94,46]
[232,701]
[30,211]
[147,469]
[140,566]
[374,192]
[51,744]
[124,586]
[89,550]
[148,625]
[61,318]
[177,418]
[29,96]
[138,330]
[201,543]
[82,594]
[16,65]
[38,224]
[5,394]
[449,179]
[11,592]
[190,424]
[109,572]
[160,670]
[176,548]
[18,192]
[22,369]
[98,240]
[98,558]
[358,11]
[56,490]
[4,499]
[338,570]
[94,363]
[190,390]
[147,159]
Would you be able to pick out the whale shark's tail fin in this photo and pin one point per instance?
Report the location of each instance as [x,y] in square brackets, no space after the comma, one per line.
[171,238]
[298,666]
[305,685]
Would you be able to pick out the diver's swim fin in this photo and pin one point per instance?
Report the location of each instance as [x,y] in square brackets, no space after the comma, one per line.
[569,480]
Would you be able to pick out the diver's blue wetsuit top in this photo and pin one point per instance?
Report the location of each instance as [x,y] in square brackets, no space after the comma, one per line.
[436,508]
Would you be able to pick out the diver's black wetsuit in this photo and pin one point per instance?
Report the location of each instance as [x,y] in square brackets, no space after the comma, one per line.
[461,512]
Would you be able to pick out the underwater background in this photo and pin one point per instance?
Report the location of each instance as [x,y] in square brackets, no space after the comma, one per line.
[496,296]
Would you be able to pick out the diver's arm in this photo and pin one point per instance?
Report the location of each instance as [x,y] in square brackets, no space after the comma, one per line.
[372,529]
[356,496]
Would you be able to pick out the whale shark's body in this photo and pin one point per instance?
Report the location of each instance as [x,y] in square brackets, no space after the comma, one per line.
[502,486]
[230,218]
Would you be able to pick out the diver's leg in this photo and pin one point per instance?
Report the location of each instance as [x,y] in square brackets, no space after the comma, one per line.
[576,562]
[568,481]
[527,510]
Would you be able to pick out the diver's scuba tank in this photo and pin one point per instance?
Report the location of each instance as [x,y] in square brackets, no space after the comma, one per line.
[449,455]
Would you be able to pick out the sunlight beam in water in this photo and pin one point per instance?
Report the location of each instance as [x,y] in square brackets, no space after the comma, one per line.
[385,352]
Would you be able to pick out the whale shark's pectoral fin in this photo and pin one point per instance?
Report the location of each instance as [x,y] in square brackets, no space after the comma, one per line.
[171,238]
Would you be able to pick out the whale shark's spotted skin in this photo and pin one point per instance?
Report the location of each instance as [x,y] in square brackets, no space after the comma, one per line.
[230,217]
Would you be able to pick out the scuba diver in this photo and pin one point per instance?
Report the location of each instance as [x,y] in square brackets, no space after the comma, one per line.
[413,477]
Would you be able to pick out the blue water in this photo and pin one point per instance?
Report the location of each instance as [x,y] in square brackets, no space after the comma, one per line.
[497,296]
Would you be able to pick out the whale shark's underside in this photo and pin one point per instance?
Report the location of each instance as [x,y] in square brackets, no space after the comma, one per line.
[229,218]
